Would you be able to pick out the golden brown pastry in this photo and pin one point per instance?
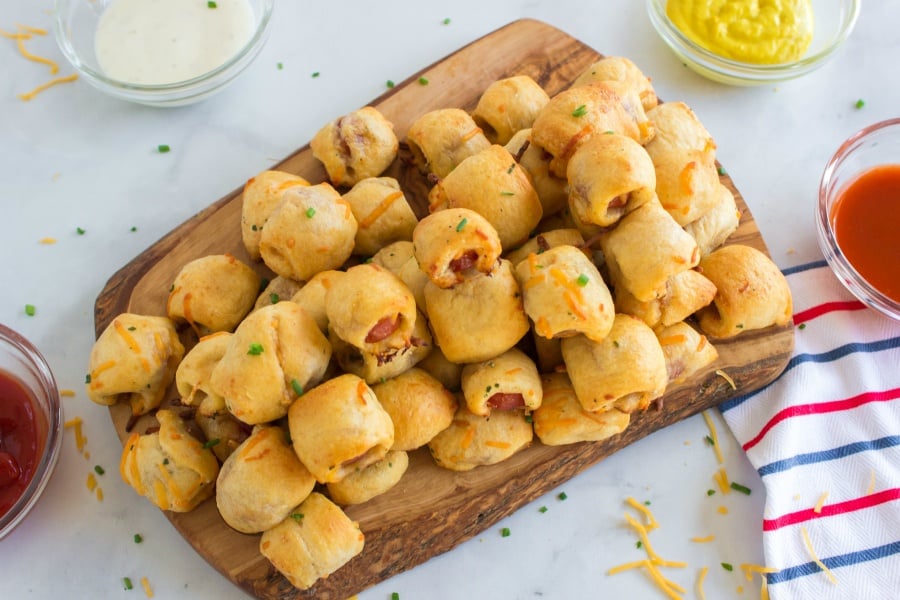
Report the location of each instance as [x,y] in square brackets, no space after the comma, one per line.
[492,184]
[751,292]
[509,381]
[399,258]
[645,249]
[261,482]
[275,354]
[547,352]
[169,467]
[609,176]
[438,366]
[277,289]
[551,190]
[441,139]
[472,441]
[213,293]
[562,420]
[355,146]
[479,318]
[311,297]
[135,359]
[686,350]
[627,370]
[455,243]
[339,427]
[564,294]
[222,431]
[382,213]
[712,229]
[508,105]
[622,71]
[545,240]
[262,194]
[192,377]
[419,405]
[315,540]
[575,115]
[313,229]
[364,484]
[685,293]
[684,155]
[371,309]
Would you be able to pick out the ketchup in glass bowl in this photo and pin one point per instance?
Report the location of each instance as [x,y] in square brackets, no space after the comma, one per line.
[858,215]
[31,424]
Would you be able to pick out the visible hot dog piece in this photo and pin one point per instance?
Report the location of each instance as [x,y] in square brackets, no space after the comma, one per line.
[464,262]
[382,329]
[506,382]
[506,401]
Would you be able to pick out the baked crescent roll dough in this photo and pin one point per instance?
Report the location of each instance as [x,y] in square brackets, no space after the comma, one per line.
[551,190]
[492,184]
[169,467]
[313,229]
[279,288]
[564,294]
[627,370]
[507,382]
[575,115]
[363,485]
[315,540]
[135,358]
[609,176]
[311,297]
[439,366]
[382,213]
[358,145]
[262,194]
[686,350]
[712,228]
[545,240]
[471,441]
[508,105]
[623,71]
[419,405]
[261,482]
[686,293]
[454,243]
[480,318]
[562,420]
[441,139]
[645,249]
[399,258]
[752,293]
[192,377]
[339,427]
[274,354]
[213,293]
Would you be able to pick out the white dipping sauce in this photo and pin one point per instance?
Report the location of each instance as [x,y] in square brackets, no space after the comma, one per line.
[166,41]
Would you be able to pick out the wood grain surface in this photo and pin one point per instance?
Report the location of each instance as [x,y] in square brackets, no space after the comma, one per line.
[432,509]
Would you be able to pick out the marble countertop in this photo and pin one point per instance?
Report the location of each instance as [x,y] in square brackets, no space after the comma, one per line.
[74,160]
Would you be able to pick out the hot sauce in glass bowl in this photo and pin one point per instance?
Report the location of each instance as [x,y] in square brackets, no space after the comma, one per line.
[21,439]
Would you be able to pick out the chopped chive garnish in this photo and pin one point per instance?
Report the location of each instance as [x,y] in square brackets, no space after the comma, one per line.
[710,492]
[860,103]
[529,418]
[740,488]
[709,441]
[163,148]
[727,566]
[211,4]
[297,516]
[562,496]
[87,378]
[165,461]
[255,349]
[543,509]
[390,83]
[462,224]
[127,582]
[138,538]
[310,212]
[721,170]
[580,111]
[30,310]
[132,328]
[298,389]
[638,544]
[315,74]
[582,280]
[446,21]
[423,81]
[507,193]
[280,66]
[511,168]
[274,298]
[210,443]
[133,228]
[79,231]
[504,532]
[99,470]
[802,326]
[395,596]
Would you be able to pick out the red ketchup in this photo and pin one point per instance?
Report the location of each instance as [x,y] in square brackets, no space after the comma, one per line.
[20,440]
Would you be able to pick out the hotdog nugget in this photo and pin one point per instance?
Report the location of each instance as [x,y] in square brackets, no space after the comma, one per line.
[507,106]
[564,294]
[451,244]
[509,381]
[364,484]
[382,213]
[311,296]
[472,441]
[339,427]
[551,190]
[355,146]
[622,71]
[441,139]
[562,420]
[419,405]
[712,228]
[545,240]
[262,194]
[686,350]
[685,293]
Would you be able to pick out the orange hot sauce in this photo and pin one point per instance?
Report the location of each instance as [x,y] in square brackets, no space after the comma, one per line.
[866,222]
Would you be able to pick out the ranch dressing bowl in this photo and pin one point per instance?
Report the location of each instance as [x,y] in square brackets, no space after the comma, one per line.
[162,53]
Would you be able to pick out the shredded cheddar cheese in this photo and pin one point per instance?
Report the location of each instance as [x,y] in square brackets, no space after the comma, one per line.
[714,436]
[379,210]
[871,489]
[722,510]
[47,240]
[727,378]
[651,523]
[700,577]
[145,583]
[75,425]
[812,553]
[820,503]
[91,482]
[28,96]
[67,393]
[704,539]
[721,478]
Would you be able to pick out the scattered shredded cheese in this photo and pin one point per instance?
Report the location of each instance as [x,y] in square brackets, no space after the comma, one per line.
[145,583]
[722,510]
[700,577]
[67,393]
[27,96]
[721,479]
[714,434]
[91,482]
[871,488]
[651,522]
[653,561]
[75,425]
[703,540]
[821,502]
[727,378]
[812,553]
[47,240]
[99,494]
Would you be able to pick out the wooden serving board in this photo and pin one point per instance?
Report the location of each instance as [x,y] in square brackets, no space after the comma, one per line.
[431,510]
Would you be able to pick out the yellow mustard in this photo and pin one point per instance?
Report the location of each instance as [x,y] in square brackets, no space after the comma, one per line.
[752,31]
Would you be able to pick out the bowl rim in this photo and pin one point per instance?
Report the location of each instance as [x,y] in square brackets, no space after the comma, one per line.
[98,76]
[840,265]
[55,423]
[752,71]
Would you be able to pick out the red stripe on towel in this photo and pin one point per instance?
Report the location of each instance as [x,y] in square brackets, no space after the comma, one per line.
[830,510]
[817,311]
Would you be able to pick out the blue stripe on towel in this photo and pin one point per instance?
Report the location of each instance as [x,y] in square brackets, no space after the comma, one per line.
[834,562]
[830,454]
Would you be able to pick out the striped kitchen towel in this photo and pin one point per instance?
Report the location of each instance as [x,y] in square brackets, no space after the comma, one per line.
[825,438]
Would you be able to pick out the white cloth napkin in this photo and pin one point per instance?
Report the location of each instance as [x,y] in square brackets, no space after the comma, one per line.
[825,438]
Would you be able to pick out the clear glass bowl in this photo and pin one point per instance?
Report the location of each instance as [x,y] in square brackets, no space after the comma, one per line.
[834,21]
[878,144]
[20,359]
[75,24]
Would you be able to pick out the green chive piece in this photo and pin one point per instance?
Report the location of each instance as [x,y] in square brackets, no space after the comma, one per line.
[79,231]
[504,532]
[133,228]
[310,212]
[87,378]
[210,443]
[99,470]
[580,111]
[582,280]
[30,310]
[132,328]
[274,298]
[507,193]
[297,516]
[740,488]
[255,349]
[543,509]
[710,492]
[395,596]
[801,326]
[165,460]
[721,170]
[315,74]
[127,582]
[211,4]
[727,566]
[390,83]
[298,389]
[423,81]
[709,441]
[511,168]
[280,66]
[529,418]
[638,544]
[446,21]
[163,148]
[462,224]
[860,103]
[138,538]
[562,496]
